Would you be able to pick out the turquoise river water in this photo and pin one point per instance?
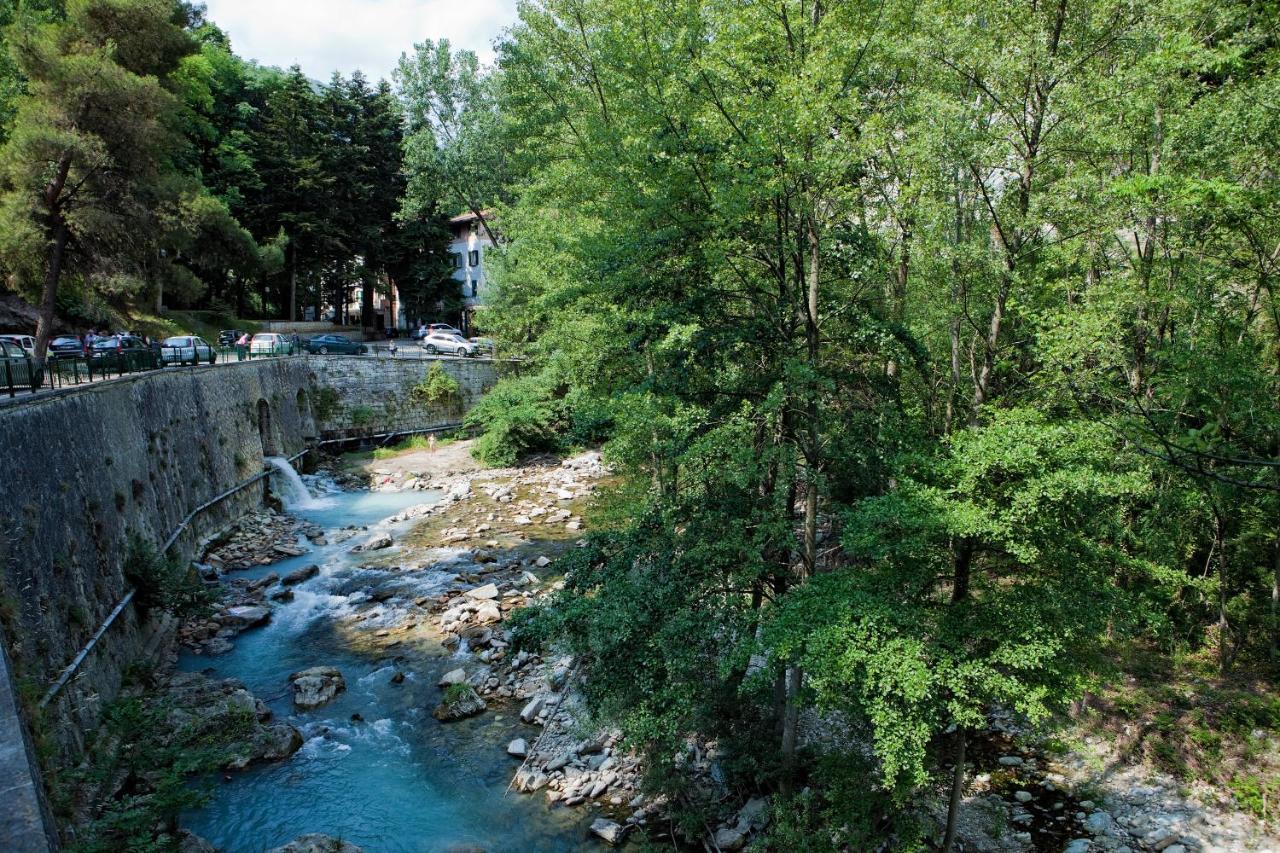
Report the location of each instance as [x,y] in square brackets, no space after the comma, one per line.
[398,780]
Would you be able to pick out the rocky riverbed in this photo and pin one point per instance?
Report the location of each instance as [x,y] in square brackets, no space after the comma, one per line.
[448,572]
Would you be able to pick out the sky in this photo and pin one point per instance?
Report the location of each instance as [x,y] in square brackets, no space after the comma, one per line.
[324,36]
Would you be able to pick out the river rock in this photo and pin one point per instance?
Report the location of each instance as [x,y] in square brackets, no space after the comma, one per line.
[530,711]
[275,742]
[730,838]
[317,843]
[610,830]
[189,842]
[315,686]
[518,748]
[299,575]
[246,616]
[488,613]
[483,593]
[453,676]
[460,702]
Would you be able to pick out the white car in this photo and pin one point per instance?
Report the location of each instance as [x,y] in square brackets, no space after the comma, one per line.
[186,349]
[27,342]
[456,344]
[269,343]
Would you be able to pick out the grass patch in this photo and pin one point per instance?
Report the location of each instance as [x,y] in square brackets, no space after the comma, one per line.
[409,445]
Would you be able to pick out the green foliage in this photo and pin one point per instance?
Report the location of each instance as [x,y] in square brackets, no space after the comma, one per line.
[456,693]
[326,403]
[519,415]
[164,583]
[362,415]
[158,764]
[437,388]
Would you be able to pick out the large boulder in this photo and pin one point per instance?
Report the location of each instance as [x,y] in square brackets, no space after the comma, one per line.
[460,701]
[610,830]
[453,676]
[487,592]
[317,843]
[246,616]
[274,742]
[299,575]
[315,686]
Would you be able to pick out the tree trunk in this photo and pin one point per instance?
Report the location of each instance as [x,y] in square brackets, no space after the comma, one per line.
[293,283]
[1224,626]
[1275,602]
[790,727]
[957,791]
[49,294]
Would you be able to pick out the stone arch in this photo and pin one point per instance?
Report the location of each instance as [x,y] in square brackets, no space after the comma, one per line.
[266,430]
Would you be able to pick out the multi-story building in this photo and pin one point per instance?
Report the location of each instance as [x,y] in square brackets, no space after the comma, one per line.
[469,245]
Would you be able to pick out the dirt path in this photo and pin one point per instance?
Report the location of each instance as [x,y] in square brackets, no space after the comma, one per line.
[447,459]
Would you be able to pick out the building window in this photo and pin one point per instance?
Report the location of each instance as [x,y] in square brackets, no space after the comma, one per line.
[457,260]
[473,257]
[475,285]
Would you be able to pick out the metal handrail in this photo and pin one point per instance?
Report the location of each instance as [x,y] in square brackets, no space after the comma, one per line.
[64,677]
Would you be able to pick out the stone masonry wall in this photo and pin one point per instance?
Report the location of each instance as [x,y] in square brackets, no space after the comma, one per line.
[362,396]
[86,468]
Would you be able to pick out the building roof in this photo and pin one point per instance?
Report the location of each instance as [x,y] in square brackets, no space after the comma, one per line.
[469,217]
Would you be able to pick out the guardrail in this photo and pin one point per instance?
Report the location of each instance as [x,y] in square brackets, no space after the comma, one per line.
[19,375]
[65,676]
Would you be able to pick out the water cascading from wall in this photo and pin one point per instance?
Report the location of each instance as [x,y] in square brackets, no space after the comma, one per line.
[292,491]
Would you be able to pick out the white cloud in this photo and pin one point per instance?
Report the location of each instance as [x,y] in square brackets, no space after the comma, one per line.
[324,36]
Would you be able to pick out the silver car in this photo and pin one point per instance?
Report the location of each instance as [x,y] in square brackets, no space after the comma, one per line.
[187,349]
[456,344]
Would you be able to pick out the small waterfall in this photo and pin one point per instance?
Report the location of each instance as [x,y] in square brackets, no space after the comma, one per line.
[464,648]
[293,492]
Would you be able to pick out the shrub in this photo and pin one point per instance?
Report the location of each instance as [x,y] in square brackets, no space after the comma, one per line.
[361,415]
[437,388]
[326,403]
[163,583]
[520,415]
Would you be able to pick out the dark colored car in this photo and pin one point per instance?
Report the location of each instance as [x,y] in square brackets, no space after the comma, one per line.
[228,337]
[123,352]
[66,346]
[325,344]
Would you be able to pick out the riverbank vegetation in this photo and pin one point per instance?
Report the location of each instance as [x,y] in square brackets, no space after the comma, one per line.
[943,341]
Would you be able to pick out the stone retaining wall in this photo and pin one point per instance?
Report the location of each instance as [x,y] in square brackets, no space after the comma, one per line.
[86,469]
[363,396]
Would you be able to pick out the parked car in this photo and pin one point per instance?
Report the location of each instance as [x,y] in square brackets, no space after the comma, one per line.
[186,349]
[443,329]
[66,346]
[456,344]
[228,337]
[27,342]
[325,344]
[123,352]
[16,367]
[484,345]
[270,343]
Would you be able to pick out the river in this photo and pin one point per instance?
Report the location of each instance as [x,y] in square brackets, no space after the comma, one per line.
[397,780]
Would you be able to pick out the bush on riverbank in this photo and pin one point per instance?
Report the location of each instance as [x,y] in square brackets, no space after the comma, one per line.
[137,779]
[162,582]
